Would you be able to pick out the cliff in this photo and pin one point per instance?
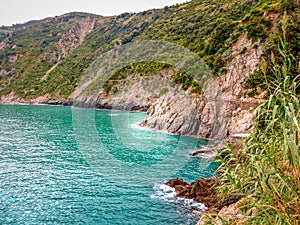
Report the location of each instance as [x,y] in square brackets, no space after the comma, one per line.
[47,61]
[199,115]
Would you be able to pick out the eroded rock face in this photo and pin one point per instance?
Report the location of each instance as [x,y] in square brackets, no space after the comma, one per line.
[180,113]
[222,110]
[138,94]
[76,34]
[239,109]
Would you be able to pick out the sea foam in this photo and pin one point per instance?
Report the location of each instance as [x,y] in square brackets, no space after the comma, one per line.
[168,194]
[138,126]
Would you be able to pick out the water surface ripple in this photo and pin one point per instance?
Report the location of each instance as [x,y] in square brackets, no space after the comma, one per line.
[45,179]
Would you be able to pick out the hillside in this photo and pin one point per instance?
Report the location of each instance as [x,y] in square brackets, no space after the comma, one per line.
[44,61]
[250,53]
[48,58]
[29,54]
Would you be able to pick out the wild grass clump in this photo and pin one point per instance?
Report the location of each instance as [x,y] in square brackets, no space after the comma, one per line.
[266,174]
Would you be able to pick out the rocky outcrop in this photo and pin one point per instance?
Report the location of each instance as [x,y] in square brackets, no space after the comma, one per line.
[136,93]
[201,190]
[44,100]
[239,108]
[204,191]
[222,110]
[11,99]
[180,113]
[231,214]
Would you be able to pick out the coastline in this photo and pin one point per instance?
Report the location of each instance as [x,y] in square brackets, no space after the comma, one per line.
[182,188]
[208,199]
[58,103]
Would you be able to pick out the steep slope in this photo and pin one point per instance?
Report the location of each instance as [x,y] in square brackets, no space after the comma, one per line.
[58,51]
[29,54]
[207,28]
[222,110]
[45,62]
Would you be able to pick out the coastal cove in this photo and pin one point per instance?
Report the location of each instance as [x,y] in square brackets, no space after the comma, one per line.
[47,177]
[186,114]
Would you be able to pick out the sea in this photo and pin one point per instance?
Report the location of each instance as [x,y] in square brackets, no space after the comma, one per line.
[65,165]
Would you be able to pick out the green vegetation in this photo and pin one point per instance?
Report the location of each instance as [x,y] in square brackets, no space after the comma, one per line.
[145,69]
[134,71]
[40,41]
[267,172]
[208,28]
[36,50]
[292,36]
[186,82]
[45,57]
[254,81]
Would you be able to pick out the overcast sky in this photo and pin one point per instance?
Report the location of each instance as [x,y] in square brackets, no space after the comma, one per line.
[18,11]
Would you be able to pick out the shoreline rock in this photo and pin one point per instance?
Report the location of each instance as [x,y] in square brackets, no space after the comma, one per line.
[201,191]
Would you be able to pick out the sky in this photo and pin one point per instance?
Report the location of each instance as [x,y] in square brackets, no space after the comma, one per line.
[19,11]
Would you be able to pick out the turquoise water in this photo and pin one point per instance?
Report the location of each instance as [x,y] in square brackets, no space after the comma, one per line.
[60,165]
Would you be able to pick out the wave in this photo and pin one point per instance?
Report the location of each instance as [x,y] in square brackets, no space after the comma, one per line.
[168,194]
[113,114]
[138,126]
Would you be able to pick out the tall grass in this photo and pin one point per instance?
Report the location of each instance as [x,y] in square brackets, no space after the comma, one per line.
[266,173]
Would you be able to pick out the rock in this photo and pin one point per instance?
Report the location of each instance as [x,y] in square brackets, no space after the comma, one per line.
[241,122]
[53,103]
[221,110]
[201,191]
[174,183]
[184,114]
[126,106]
[84,102]
[194,153]
[231,214]
[211,149]
[135,94]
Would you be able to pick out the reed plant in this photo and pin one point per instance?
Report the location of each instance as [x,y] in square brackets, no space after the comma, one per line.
[266,173]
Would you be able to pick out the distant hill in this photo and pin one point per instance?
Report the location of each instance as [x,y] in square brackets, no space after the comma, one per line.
[22,25]
[47,57]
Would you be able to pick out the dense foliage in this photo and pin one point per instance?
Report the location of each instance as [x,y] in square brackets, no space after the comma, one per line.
[30,52]
[292,34]
[32,63]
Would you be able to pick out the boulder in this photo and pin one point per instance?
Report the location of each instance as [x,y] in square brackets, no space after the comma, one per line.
[201,190]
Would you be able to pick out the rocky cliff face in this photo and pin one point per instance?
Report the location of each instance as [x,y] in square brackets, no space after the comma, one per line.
[239,107]
[222,110]
[46,61]
[137,94]
[182,114]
